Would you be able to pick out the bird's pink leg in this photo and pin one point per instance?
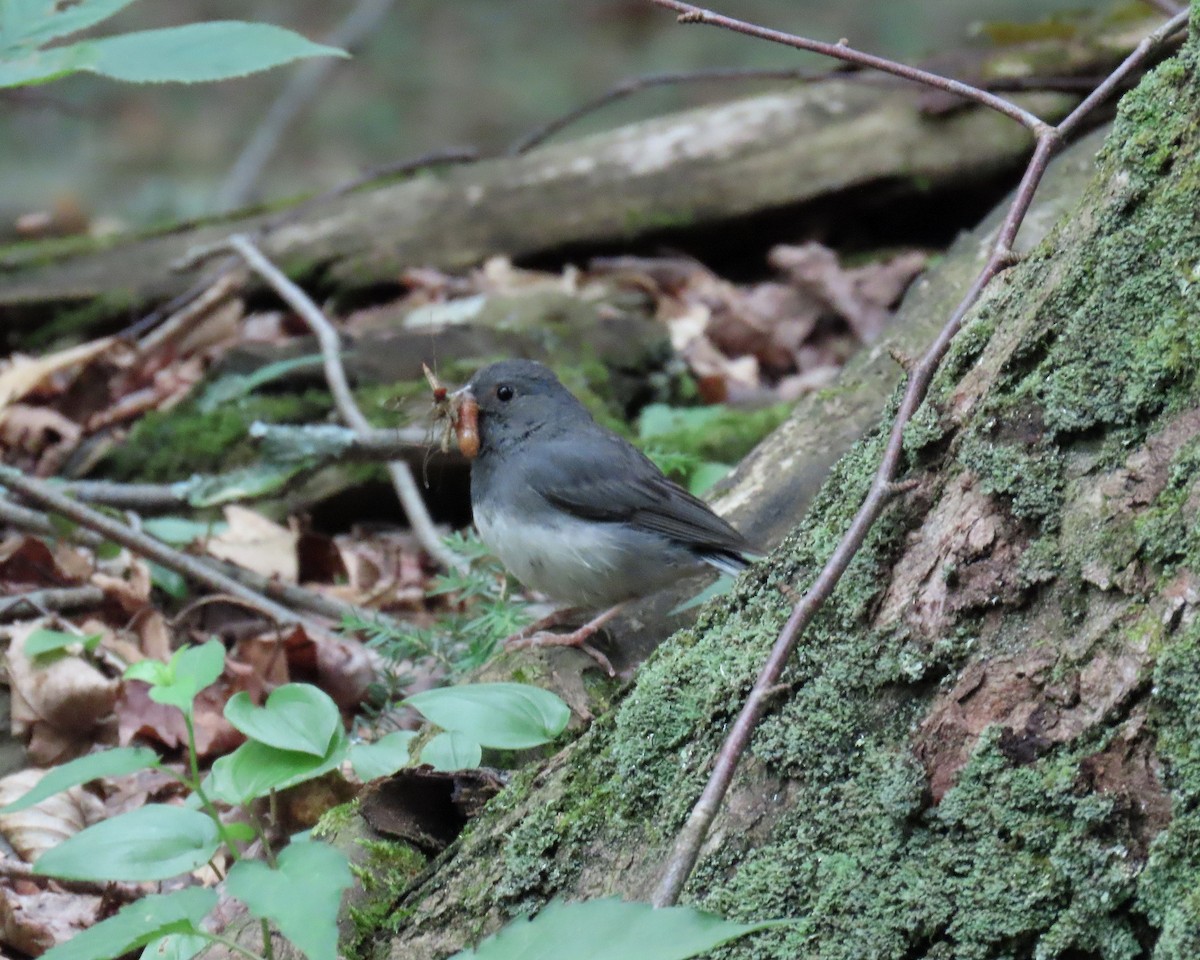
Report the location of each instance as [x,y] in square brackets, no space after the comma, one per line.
[552,619]
[576,638]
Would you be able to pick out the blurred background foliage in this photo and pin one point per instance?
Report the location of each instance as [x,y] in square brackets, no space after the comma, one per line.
[465,73]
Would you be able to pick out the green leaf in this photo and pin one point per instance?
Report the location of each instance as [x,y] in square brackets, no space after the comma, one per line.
[706,475]
[296,716]
[191,53]
[175,946]
[154,842]
[254,769]
[245,484]
[191,670]
[199,52]
[511,716]
[452,751]
[56,20]
[180,531]
[107,550]
[611,929]
[41,642]
[137,924]
[149,671]
[234,386]
[107,763]
[168,581]
[301,895]
[383,757]
[723,584]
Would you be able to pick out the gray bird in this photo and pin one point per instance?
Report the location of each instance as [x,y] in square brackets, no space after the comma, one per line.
[575,511]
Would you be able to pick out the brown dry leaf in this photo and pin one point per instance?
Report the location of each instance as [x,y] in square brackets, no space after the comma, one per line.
[40,433]
[37,920]
[265,663]
[36,829]
[382,570]
[344,669]
[862,297]
[140,718]
[57,706]
[28,563]
[21,375]
[132,590]
[256,543]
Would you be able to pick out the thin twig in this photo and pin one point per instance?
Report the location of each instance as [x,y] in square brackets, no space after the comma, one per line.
[339,387]
[34,521]
[843,51]
[305,82]
[627,88]
[49,600]
[193,569]
[183,319]
[1049,141]
[634,85]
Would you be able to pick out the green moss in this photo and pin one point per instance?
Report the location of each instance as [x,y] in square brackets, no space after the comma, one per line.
[165,446]
[1168,532]
[1028,475]
[1169,889]
[383,870]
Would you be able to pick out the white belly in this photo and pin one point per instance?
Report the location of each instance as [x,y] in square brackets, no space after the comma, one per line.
[580,563]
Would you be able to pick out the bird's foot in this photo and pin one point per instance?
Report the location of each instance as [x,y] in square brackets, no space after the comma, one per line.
[536,635]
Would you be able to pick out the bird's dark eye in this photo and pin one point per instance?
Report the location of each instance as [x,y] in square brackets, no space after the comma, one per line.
[504,393]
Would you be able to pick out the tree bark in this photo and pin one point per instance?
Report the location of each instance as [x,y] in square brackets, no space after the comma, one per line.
[985,747]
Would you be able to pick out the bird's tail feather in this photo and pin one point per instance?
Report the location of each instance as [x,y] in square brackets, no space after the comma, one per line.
[729,562]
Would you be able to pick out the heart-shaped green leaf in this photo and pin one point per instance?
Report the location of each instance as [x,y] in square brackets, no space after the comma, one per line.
[296,716]
[138,924]
[611,930]
[507,716]
[255,769]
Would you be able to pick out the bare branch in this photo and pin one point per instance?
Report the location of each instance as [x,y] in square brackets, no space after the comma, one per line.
[843,51]
[50,600]
[883,487]
[192,568]
[335,375]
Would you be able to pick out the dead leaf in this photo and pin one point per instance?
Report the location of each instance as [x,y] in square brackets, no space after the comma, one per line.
[35,921]
[21,375]
[58,705]
[36,829]
[256,543]
[132,591]
[41,433]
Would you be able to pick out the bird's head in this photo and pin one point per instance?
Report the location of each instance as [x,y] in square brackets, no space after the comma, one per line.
[515,399]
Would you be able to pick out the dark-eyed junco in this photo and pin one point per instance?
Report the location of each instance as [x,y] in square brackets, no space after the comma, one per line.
[573,510]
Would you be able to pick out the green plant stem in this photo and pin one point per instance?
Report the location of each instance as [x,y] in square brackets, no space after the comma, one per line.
[268,946]
[209,807]
[231,944]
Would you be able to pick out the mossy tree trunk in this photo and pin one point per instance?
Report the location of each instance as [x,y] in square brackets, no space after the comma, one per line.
[987,743]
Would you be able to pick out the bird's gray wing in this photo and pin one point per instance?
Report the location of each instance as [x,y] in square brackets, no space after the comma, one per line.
[602,477]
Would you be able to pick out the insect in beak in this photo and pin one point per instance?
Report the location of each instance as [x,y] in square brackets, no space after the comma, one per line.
[460,410]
